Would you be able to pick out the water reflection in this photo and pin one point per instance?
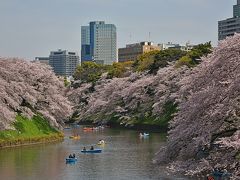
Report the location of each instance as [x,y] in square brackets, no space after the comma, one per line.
[124,156]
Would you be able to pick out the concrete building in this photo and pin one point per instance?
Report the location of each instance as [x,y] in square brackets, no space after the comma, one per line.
[170,45]
[101,40]
[132,51]
[231,25]
[44,60]
[64,63]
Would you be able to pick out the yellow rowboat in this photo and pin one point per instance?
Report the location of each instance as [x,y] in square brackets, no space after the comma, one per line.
[101,142]
[74,137]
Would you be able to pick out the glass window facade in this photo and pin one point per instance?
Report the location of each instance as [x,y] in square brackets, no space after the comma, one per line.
[85,44]
[64,63]
[230,26]
[103,42]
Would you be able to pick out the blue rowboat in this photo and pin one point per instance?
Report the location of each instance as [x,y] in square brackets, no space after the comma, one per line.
[70,160]
[92,151]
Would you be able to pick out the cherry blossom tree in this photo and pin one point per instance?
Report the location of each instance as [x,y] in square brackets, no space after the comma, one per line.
[205,134]
[205,131]
[30,88]
[129,100]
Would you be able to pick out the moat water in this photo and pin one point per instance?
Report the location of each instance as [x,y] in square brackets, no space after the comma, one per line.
[125,156]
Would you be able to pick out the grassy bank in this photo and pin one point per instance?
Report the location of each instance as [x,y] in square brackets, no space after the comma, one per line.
[29,131]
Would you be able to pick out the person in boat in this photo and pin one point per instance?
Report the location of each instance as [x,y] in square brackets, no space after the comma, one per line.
[70,156]
[92,148]
[73,155]
[84,148]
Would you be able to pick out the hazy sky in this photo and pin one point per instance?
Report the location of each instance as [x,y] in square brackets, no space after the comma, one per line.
[32,28]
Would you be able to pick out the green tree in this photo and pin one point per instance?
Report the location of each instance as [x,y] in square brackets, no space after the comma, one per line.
[163,57]
[185,60]
[119,69]
[66,82]
[144,61]
[200,50]
[193,57]
[154,60]
[89,72]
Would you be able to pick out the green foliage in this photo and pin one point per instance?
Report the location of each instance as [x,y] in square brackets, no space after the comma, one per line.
[89,72]
[66,82]
[185,60]
[163,57]
[192,58]
[151,61]
[35,130]
[154,60]
[119,69]
[200,50]
[143,62]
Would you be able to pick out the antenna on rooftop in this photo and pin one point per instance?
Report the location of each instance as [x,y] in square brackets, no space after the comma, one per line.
[149,37]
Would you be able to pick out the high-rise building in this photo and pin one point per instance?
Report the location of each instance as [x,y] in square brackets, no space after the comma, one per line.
[230,26]
[102,39]
[85,44]
[132,51]
[236,9]
[64,63]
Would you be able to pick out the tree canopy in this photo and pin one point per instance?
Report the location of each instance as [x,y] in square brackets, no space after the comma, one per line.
[89,72]
[30,89]
[205,134]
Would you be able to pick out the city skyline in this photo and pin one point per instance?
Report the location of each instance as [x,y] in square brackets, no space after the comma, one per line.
[32,28]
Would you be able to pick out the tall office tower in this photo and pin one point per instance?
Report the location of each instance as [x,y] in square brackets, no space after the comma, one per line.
[85,44]
[230,26]
[103,42]
[64,63]
[236,9]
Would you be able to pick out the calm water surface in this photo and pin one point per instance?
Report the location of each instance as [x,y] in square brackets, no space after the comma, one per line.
[125,156]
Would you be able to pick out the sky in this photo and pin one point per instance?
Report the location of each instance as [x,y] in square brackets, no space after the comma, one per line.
[31,28]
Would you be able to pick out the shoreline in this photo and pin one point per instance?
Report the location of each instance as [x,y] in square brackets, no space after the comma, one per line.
[137,127]
[32,141]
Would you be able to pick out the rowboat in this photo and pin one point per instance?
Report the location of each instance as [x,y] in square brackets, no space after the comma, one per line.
[74,137]
[92,151]
[144,135]
[101,142]
[69,160]
[87,129]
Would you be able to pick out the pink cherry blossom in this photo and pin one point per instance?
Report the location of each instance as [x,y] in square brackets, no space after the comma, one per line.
[30,88]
